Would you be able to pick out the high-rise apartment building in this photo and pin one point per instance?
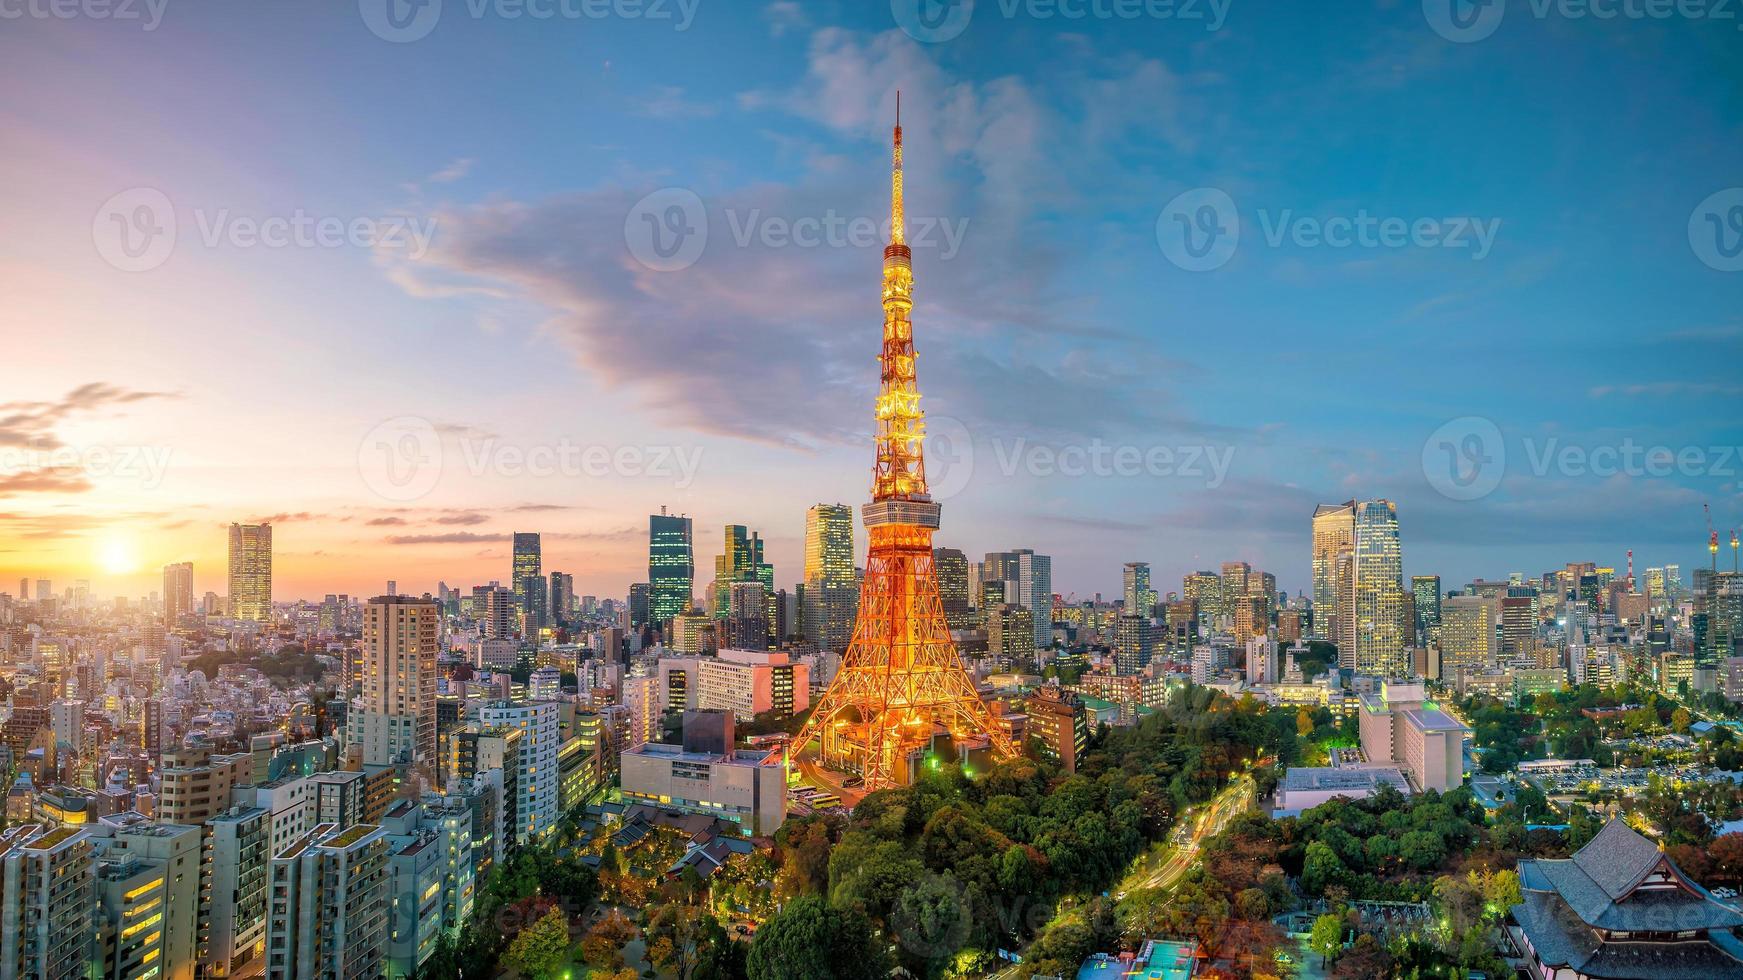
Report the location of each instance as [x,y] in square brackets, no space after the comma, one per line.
[831,597]
[47,897]
[329,905]
[536,778]
[178,591]
[251,572]
[397,723]
[233,924]
[671,567]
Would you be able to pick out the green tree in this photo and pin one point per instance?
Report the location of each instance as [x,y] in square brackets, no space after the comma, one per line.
[1322,867]
[808,940]
[541,948]
[1327,937]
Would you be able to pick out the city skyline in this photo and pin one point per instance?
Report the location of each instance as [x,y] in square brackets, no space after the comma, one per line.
[1060,321]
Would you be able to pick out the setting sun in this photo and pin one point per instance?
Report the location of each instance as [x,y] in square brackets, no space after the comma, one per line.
[118,555]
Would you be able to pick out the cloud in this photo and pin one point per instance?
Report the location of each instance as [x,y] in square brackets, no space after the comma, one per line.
[784,16]
[452,537]
[282,518]
[452,172]
[668,102]
[386,522]
[66,480]
[33,423]
[774,342]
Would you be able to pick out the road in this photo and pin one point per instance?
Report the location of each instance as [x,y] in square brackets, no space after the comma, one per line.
[1201,823]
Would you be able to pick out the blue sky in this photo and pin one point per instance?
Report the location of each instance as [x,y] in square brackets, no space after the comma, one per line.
[1055,147]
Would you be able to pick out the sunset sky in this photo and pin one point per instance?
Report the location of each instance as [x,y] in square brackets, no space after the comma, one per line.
[149,398]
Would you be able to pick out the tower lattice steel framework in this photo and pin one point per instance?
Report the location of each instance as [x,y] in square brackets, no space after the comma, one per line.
[901,677]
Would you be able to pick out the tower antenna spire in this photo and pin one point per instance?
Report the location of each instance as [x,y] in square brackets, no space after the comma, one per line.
[898,233]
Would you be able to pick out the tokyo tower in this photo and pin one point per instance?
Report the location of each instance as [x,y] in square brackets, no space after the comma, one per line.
[901,682]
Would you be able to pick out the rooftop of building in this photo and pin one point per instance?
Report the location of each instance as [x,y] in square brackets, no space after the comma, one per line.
[676,753]
[350,836]
[1366,777]
[1431,720]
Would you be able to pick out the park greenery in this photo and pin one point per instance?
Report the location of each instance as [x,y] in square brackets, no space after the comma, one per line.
[953,868]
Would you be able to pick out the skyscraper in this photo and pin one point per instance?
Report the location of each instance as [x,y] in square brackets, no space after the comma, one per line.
[830,596]
[953,586]
[901,679]
[1334,533]
[1035,592]
[527,578]
[1380,610]
[1425,589]
[562,596]
[671,566]
[251,572]
[740,560]
[178,591]
[400,639]
[1140,599]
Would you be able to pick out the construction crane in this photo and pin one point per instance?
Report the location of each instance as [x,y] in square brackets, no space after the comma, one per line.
[1712,538]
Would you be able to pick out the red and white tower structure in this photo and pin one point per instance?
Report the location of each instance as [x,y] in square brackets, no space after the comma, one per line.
[901,682]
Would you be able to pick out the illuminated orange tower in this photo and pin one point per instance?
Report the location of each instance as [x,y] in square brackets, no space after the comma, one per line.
[901,679]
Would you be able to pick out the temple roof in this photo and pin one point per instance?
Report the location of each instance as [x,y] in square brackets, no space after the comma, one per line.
[1617,858]
[1570,903]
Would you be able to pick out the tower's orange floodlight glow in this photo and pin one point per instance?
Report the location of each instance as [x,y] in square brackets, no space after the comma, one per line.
[901,680]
